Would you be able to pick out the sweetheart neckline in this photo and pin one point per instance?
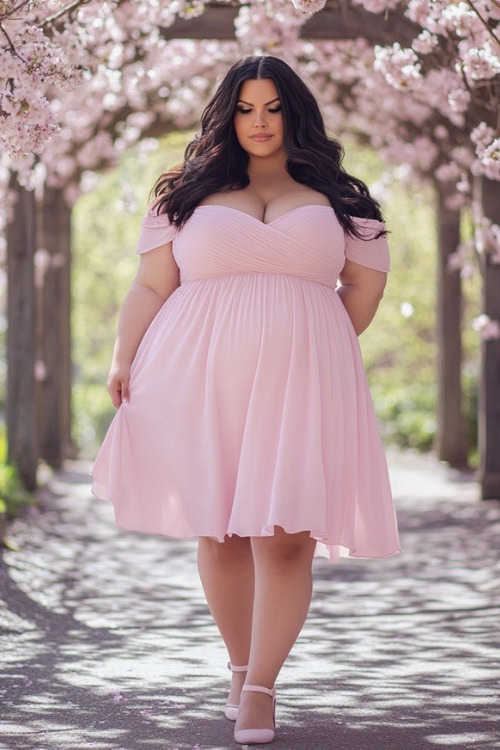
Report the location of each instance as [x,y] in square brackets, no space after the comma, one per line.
[254,218]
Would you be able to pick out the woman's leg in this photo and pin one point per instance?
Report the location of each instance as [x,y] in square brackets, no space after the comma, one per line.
[227,575]
[283,588]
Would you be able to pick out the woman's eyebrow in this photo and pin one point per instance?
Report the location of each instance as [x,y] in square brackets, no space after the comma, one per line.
[272,100]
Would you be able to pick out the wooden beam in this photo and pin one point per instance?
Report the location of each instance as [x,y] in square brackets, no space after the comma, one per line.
[489,385]
[336,21]
[53,334]
[21,407]
[451,443]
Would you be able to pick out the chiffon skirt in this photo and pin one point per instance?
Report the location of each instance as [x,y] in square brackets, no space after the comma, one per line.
[250,408]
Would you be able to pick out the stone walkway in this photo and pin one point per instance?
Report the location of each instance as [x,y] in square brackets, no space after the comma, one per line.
[107,641]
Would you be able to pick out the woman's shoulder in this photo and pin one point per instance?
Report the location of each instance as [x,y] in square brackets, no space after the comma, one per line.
[156,229]
[154,215]
[371,250]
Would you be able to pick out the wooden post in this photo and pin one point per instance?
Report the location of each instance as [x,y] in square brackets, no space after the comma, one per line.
[451,444]
[21,406]
[489,385]
[54,347]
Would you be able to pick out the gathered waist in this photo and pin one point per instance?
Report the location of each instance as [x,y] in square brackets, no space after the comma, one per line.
[221,276]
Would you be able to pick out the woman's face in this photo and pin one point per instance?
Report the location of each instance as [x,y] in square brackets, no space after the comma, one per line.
[258,111]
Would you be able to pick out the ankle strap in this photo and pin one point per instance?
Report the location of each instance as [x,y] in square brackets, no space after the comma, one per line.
[260,689]
[236,669]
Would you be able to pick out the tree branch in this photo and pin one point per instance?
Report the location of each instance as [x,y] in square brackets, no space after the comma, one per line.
[68,9]
[483,21]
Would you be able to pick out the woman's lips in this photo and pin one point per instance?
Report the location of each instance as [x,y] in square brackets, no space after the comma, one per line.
[261,137]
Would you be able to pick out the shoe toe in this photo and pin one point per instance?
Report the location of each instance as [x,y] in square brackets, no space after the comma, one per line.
[254,735]
[231,711]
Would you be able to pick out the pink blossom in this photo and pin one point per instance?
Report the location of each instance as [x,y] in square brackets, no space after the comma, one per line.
[309,6]
[455,201]
[467,270]
[441,132]
[489,236]
[454,261]
[377,6]
[399,66]
[459,100]
[447,172]
[462,155]
[425,42]
[487,160]
[487,328]
[463,185]
[482,135]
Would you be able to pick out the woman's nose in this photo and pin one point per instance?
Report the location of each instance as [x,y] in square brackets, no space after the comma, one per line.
[260,118]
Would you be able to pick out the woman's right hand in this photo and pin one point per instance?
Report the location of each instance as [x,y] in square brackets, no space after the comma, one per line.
[117,382]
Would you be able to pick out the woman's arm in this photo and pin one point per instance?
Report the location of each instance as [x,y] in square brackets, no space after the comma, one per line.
[361,291]
[156,278]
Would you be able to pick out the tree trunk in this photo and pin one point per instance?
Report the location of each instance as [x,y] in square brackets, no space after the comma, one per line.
[21,402]
[451,444]
[489,385]
[54,342]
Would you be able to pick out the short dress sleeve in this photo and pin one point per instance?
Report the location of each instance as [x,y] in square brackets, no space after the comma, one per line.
[368,252]
[155,231]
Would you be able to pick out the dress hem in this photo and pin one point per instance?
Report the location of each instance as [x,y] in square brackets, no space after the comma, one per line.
[99,491]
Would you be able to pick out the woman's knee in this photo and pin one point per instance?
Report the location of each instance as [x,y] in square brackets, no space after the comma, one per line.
[232,546]
[284,546]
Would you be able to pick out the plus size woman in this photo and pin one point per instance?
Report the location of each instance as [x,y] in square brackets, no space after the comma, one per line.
[245,416]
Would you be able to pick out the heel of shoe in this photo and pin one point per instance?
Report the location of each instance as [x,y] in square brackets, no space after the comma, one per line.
[231,709]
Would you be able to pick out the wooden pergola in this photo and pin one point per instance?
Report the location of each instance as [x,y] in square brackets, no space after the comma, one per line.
[38,338]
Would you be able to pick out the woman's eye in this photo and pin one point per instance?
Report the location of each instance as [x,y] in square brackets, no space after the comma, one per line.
[245,111]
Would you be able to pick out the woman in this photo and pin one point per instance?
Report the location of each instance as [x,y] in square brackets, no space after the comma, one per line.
[245,415]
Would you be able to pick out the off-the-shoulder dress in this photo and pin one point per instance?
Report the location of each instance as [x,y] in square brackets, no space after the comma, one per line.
[249,402]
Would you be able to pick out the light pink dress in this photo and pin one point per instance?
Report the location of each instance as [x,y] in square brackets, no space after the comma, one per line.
[249,402]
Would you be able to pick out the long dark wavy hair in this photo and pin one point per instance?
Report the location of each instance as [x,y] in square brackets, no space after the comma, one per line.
[215,162]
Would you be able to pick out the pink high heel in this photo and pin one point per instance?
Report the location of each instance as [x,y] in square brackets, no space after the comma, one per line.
[231,709]
[245,736]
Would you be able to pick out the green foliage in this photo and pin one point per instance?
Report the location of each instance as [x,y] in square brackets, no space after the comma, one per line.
[12,493]
[92,414]
[406,415]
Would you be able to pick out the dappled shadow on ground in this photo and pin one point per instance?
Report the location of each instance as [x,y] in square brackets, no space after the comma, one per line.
[108,642]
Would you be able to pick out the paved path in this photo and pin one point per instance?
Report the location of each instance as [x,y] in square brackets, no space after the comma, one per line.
[108,642]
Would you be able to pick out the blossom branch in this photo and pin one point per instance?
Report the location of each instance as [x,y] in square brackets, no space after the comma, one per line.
[11,44]
[11,12]
[483,21]
[64,11]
